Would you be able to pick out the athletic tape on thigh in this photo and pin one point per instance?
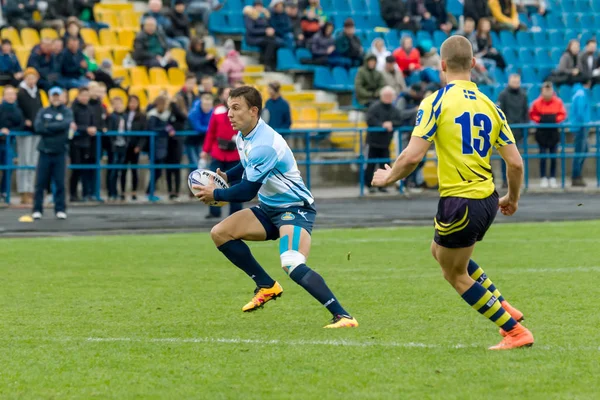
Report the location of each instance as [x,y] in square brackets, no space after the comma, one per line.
[284,242]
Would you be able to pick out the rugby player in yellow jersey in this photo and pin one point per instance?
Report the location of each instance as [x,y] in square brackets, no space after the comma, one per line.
[465,124]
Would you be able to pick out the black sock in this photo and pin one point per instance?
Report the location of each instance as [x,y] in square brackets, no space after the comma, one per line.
[314,284]
[239,254]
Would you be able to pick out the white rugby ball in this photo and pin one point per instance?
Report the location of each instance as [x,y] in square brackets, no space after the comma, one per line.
[201,177]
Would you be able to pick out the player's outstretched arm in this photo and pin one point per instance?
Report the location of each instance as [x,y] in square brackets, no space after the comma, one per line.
[406,163]
[514,173]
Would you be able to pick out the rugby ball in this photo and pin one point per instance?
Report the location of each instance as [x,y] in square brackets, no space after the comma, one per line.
[201,177]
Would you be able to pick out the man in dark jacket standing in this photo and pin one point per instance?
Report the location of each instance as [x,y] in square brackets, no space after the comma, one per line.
[381,114]
[82,148]
[52,124]
[277,110]
[513,101]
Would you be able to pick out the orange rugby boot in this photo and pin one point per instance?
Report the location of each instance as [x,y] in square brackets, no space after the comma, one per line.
[517,337]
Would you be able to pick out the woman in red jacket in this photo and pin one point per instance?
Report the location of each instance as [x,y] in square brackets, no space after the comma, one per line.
[219,144]
[407,57]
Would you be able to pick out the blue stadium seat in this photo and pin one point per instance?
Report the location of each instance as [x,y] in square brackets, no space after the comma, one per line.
[585,36]
[539,21]
[555,55]
[341,80]
[526,56]
[524,19]
[555,21]
[233,5]
[423,36]
[372,35]
[392,39]
[438,38]
[540,39]
[338,19]
[557,38]
[497,90]
[542,57]
[322,78]
[227,23]
[565,93]
[596,93]
[587,21]
[486,89]
[407,33]
[361,21]
[524,39]
[508,39]
[286,60]
[500,76]
[302,52]
[327,6]
[512,69]
[571,34]
[374,6]
[359,6]
[376,20]
[510,56]
[341,6]
[496,41]
[455,8]
[571,21]
[544,71]
[352,75]
[247,48]
[528,75]
[533,93]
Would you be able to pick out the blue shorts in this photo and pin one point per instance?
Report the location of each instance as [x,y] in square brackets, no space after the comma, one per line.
[462,222]
[273,218]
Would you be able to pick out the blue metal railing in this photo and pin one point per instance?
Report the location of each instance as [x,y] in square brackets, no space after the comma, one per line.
[308,135]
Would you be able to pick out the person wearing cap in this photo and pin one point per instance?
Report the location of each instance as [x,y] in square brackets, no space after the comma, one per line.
[392,75]
[52,124]
[348,45]
[277,110]
[281,22]
[30,102]
[368,81]
[180,25]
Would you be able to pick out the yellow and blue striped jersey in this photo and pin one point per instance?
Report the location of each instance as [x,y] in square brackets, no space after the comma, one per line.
[464,124]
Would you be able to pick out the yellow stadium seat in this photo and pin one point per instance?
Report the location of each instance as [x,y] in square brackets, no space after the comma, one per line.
[325,106]
[121,72]
[126,38]
[130,20]
[29,37]
[176,77]
[108,37]
[158,76]
[23,56]
[255,69]
[141,93]
[115,7]
[13,35]
[118,92]
[44,98]
[173,90]
[48,33]
[73,95]
[90,36]
[300,97]
[308,114]
[179,56]
[120,54]
[139,76]
[154,92]
[331,116]
[110,18]
[103,54]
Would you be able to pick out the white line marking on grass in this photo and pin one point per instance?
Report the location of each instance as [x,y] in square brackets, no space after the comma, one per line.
[333,343]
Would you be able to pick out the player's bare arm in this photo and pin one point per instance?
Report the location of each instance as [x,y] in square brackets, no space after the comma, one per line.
[406,163]
[514,174]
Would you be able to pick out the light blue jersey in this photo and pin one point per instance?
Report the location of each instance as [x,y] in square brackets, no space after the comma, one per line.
[267,159]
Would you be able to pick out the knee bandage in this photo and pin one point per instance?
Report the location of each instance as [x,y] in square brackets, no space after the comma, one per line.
[291,257]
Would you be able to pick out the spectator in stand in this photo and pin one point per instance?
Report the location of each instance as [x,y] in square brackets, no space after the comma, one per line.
[322,46]
[483,46]
[312,20]
[84,9]
[73,30]
[397,15]
[379,50]
[407,57]
[281,22]
[57,49]
[56,14]
[291,9]
[259,33]
[175,146]
[581,113]
[381,114]
[368,82]
[588,63]
[392,75]
[568,71]
[82,149]
[117,122]
[468,30]
[408,103]
[514,102]
[233,67]
[163,22]
[277,111]
[159,118]
[431,63]
[180,25]
[200,10]
[548,109]
[188,92]
[348,45]
[199,61]
[151,48]
[10,69]
[198,118]
[30,102]
[11,119]
[207,85]
[220,145]
[505,14]
[135,122]
[73,66]
[19,13]
[533,6]
[476,9]
[433,15]
[43,60]
[52,124]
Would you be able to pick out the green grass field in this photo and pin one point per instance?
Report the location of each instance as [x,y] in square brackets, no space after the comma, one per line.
[157,317]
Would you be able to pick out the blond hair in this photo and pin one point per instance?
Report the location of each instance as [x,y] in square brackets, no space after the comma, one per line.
[457,51]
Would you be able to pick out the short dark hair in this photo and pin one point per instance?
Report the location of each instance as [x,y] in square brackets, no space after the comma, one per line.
[250,94]
[83,89]
[276,86]
[190,75]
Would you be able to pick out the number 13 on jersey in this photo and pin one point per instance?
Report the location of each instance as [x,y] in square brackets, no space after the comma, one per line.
[481,141]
